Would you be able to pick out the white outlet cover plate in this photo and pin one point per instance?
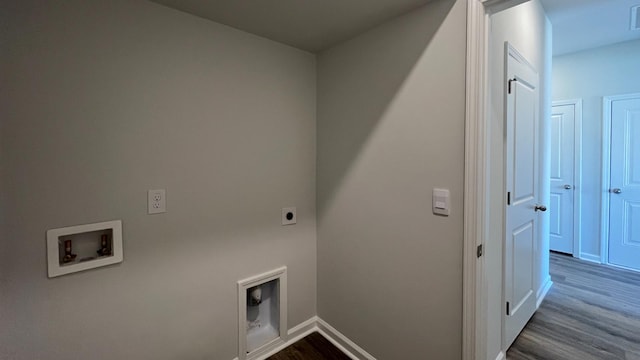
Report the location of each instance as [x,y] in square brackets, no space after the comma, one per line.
[157,201]
[285,220]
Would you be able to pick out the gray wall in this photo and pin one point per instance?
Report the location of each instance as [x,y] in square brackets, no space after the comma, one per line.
[102,100]
[390,128]
[590,75]
[527,28]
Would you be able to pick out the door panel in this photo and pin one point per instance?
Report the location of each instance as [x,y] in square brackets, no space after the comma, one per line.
[631,226]
[624,205]
[524,145]
[521,232]
[555,221]
[562,176]
[632,147]
[523,242]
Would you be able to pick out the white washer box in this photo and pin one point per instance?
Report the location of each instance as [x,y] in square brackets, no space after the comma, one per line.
[86,243]
[262,326]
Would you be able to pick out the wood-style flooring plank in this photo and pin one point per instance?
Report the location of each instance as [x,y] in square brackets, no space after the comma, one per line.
[591,313]
[312,347]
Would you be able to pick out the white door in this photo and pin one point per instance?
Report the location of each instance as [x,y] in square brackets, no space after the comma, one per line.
[521,216]
[562,183]
[624,205]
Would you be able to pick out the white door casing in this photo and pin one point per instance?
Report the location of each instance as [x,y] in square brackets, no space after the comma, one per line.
[476,178]
[622,113]
[521,215]
[563,232]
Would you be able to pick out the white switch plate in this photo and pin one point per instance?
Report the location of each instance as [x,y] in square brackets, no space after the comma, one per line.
[157,200]
[289,216]
[441,202]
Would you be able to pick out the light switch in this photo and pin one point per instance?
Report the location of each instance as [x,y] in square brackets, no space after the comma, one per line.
[441,202]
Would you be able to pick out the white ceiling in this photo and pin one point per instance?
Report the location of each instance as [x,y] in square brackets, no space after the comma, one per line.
[310,25]
[585,24]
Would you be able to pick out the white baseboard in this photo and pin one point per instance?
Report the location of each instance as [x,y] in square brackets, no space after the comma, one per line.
[315,324]
[342,342]
[303,329]
[591,258]
[543,291]
[294,334]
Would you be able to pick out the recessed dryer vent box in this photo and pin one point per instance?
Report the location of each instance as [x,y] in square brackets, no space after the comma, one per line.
[82,247]
[262,315]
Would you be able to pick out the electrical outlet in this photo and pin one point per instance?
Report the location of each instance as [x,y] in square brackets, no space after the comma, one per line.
[157,200]
[288,216]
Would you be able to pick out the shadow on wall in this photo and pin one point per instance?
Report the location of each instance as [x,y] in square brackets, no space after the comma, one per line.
[357,85]
[390,127]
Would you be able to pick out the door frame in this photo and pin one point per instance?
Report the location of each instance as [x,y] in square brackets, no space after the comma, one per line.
[476,172]
[577,171]
[607,102]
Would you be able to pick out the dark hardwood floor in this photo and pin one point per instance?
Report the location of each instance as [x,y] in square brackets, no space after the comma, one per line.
[591,313]
[312,347]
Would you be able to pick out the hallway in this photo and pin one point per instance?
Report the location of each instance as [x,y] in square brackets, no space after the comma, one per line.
[592,312]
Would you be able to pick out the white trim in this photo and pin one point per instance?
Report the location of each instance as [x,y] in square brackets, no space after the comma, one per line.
[566,102]
[494,6]
[477,162]
[606,170]
[294,334]
[624,268]
[511,50]
[577,171]
[315,324]
[303,329]
[342,342]
[475,190]
[337,344]
[501,356]
[591,258]
[577,178]
[606,175]
[543,291]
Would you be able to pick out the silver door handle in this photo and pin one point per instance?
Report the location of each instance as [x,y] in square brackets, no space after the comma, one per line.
[540,208]
[616,191]
[568,187]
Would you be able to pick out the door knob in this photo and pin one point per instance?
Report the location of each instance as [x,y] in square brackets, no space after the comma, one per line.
[616,191]
[568,187]
[540,208]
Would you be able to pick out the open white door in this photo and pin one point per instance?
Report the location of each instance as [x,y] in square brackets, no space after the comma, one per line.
[561,205]
[521,214]
[624,205]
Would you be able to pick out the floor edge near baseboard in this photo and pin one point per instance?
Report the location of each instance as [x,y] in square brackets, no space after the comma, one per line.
[294,334]
[342,342]
[544,290]
[590,258]
[315,324]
